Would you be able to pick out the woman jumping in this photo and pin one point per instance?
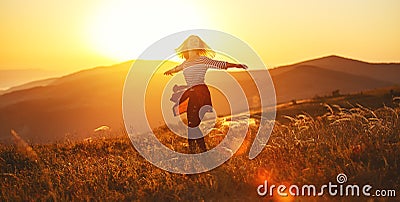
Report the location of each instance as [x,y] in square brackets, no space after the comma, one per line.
[197,55]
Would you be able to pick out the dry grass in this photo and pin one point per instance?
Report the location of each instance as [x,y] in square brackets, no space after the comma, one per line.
[362,143]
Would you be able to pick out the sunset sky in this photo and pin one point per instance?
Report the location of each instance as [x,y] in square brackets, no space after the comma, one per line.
[72,35]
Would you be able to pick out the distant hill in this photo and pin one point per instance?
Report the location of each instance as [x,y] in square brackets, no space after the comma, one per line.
[387,72]
[28,85]
[74,105]
[10,78]
[71,106]
[306,81]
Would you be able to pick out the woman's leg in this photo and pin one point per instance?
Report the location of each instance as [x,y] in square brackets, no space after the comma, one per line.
[195,136]
[194,132]
[199,103]
[200,141]
[202,144]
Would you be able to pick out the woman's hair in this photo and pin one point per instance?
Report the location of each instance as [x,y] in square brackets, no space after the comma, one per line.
[203,48]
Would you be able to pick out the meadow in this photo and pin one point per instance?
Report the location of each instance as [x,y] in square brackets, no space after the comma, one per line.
[304,148]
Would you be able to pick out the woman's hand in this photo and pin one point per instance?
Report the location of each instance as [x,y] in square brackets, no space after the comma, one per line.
[234,65]
[242,66]
[168,73]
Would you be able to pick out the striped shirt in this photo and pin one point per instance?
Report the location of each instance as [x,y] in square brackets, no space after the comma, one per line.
[195,71]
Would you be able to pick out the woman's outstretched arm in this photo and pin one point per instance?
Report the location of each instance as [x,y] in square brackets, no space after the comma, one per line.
[242,66]
[173,70]
[217,64]
[212,63]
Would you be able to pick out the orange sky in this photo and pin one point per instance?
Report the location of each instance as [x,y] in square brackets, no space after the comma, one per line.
[71,35]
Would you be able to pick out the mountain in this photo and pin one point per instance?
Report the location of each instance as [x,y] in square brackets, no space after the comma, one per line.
[306,81]
[10,78]
[74,105]
[28,85]
[71,106]
[388,72]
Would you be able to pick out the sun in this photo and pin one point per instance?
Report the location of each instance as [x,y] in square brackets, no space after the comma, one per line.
[121,30]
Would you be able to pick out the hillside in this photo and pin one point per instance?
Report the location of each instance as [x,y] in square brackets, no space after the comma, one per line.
[361,143]
[388,72]
[306,81]
[11,78]
[72,106]
[43,82]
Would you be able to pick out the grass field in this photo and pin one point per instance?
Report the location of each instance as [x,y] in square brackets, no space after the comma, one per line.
[305,147]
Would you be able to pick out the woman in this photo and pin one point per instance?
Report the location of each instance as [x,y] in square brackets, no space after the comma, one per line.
[196,96]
